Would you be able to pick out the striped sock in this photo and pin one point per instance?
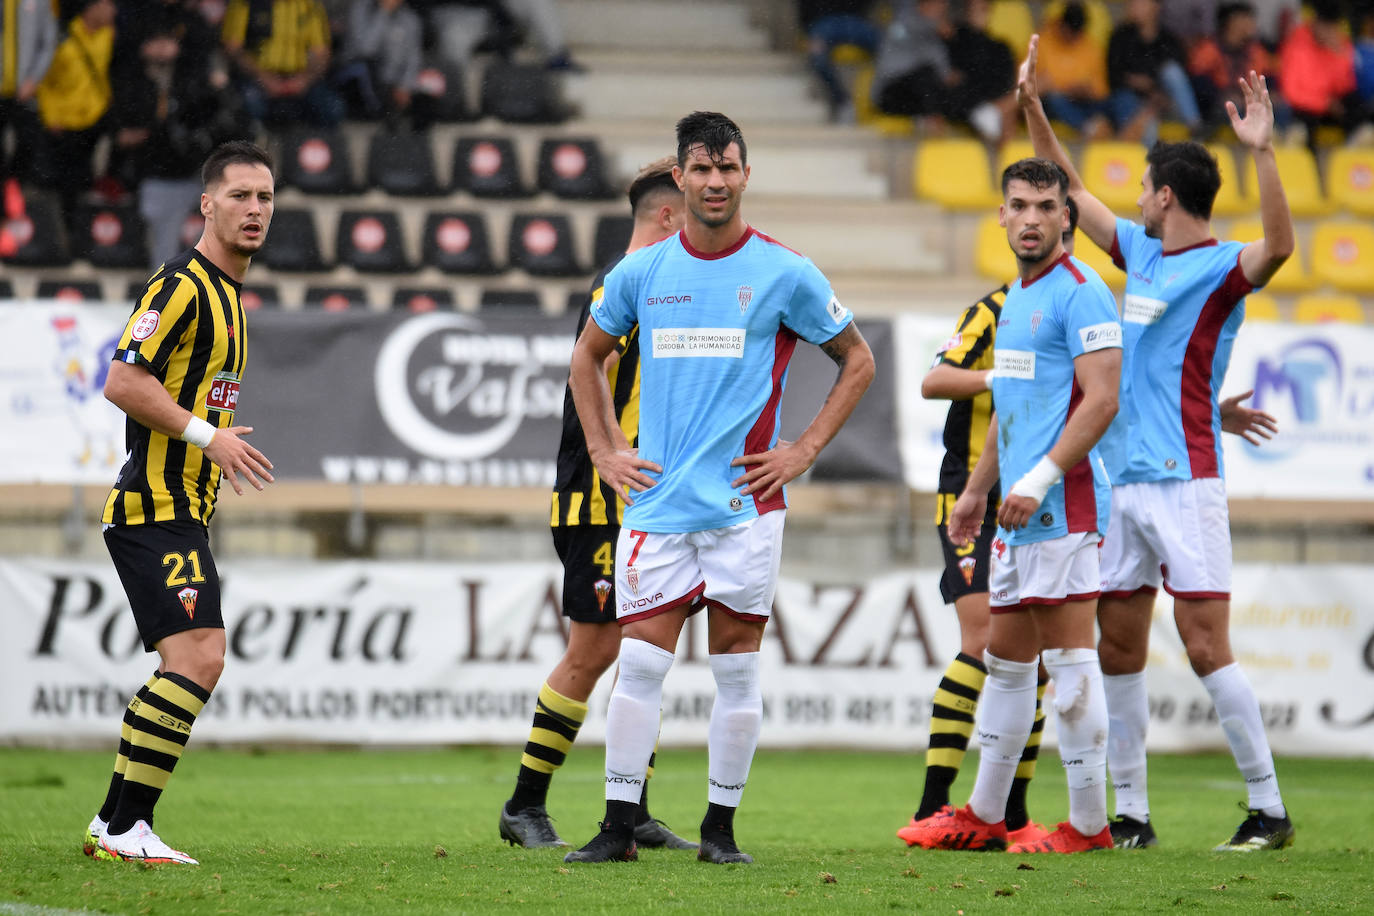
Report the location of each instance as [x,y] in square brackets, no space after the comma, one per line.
[951,726]
[556,722]
[161,727]
[126,734]
[1017,815]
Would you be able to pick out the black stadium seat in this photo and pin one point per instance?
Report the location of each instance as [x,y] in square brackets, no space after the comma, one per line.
[487,167]
[335,298]
[6,289]
[134,290]
[612,238]
[370,240]
[70,290]
[110,236]
[510,299]
[445,84]
[576,299]
[292,244]
[456,242]
[572,168]
[541,244]
[317,162]
[36,237]
[400,162]
[260,296]
[418,299]
[521,94]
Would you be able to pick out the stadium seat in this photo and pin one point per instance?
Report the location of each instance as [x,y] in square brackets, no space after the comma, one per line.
[417,299]
[953,172]
[134,290]
[1261,307]
[487,167]
[1318,308]
[335,298]
[1343,255]
[292,244]
[456,242]
[1350,179]
[541,244]
[36,237]
[1301,182]
[612,238]
[1011,151]
[69,290]
[576,299]
[572,168]
[448,88]
[1099,261]
[110,236]
[1099,24]
[260,296]
[6,289]
[1112,170]
[316,161]
[370,240]
[1293,276]
[869,116]
[402,163]
[1232,199]
[521,94]
[1012,23]
[508,299]
[993,258]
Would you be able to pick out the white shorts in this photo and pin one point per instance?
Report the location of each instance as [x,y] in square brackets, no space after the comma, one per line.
[1045,572]
[1177,532]
[734,569]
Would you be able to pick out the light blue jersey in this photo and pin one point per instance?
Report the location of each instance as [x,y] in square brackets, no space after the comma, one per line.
[1046,324]
[716,333]
[1180,317]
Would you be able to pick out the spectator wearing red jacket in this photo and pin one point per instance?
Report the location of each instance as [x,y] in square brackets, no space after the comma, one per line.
[1317,61]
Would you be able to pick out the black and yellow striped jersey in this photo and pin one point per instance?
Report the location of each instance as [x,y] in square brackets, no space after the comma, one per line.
[187,329]
[966,425]
[580,497]
[277,34]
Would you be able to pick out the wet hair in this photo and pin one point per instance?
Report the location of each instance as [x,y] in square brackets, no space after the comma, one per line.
[1072,206]
[1227,11]
[1040,173]
[711,130]
[654,178]
[1190,171]
[235,152]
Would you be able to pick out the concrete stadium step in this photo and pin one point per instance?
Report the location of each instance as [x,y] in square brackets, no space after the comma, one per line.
[906,240]
[658,24]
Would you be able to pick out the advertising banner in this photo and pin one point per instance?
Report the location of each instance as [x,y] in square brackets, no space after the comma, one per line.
[402,653]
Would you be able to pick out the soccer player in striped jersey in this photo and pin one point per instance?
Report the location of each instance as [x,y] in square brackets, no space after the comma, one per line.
[1185,301]
[176,375]
[585,520]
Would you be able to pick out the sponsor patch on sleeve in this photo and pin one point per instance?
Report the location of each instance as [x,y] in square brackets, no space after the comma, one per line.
[1100,336]
[838,313]
[950,344]
[144,326]
[1014,363]
[224,393]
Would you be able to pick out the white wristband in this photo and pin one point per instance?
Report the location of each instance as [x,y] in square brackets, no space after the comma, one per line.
[987,379]
[198,432]
[1038,480]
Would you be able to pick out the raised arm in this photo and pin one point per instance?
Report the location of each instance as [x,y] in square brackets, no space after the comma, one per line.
[1260,260]
[1095,219]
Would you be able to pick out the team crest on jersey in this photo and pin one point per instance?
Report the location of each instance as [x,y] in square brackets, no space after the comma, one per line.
[603,591]
[632,578]
[145,326]
[187,597]
[745,295]
[1036,317]
[966,567]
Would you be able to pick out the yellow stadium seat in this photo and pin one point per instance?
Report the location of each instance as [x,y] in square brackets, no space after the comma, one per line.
[1231,198]
[1099,24]
[1292,276]
[1350,179]
[1317,308]
[1261,307]
[866,114]
[1343,255]
[1301,182]
[1111,171]
[993,258]
[1011,151]
[1011,22]
[1099,261]
[953,172]
[849,56]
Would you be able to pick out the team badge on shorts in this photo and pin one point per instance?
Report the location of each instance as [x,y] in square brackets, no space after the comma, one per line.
[632,578]
[603,591]
[746,295]
[966,567]
[187,596]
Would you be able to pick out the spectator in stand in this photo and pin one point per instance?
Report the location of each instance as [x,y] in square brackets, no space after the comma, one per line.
[986,73]
[280,49]
[73,99]
[1073,74]
[28,38]
[380,63]
[1190,21]
[1276,19]
[1218,64]
[460,28]
[1145,70]
[1317,61]
[168,117]
[1364,74]
[828,24]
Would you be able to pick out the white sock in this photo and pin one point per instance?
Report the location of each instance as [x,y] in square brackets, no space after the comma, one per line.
[1006,712]
[1081,707]
[632,717]
[1128,715]
[736,719]
[1239,713]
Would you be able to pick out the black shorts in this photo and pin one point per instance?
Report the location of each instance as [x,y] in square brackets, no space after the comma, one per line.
[588,556]
[966,568]
[169,577]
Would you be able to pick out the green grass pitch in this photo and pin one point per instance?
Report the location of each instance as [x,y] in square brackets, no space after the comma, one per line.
[414,831]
